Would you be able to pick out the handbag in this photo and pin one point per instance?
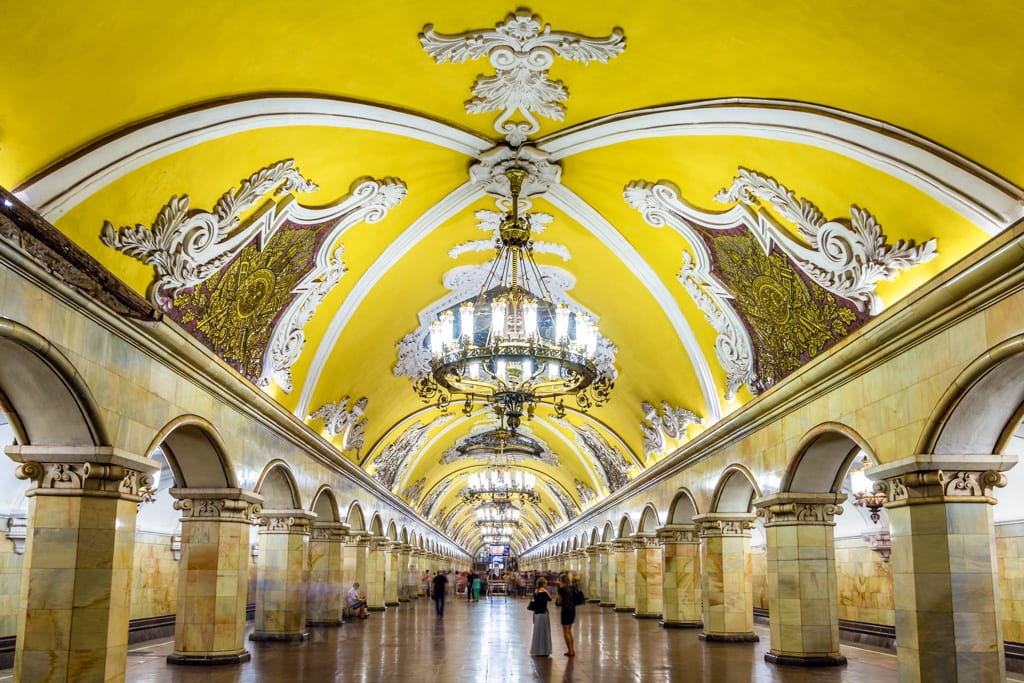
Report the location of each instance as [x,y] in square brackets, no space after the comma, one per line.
[578,596]
[531,605]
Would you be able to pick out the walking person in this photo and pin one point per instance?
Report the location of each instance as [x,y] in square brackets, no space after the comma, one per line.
[476,588]
[569,596]
[439,590]
[540,646]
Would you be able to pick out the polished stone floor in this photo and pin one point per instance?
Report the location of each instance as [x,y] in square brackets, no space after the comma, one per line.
[489,641]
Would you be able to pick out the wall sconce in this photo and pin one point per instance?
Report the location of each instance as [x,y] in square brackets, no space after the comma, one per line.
[863,491]
[176,547]
[254,549]
[880,542]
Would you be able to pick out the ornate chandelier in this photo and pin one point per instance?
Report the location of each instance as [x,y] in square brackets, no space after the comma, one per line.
[500,485]
[513,348]
[494,513]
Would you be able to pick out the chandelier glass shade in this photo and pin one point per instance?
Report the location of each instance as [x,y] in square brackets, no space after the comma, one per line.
[499,484]
[513,348]
[506,530]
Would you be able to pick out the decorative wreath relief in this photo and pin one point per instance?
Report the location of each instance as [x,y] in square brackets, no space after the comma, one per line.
[186,247]
[521,52]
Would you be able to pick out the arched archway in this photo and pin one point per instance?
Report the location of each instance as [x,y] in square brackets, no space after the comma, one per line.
[823,458]
[278,487]
[683,508]
[648,520]
[44,397]
[354,518]
[195,453]
[736,491]
[325,506]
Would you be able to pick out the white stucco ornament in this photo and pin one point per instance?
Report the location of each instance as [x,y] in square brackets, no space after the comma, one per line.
[521,50]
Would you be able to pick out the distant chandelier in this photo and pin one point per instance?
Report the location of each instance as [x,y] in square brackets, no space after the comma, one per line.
[528,351]
[497,530]
[498,513]
[500,484]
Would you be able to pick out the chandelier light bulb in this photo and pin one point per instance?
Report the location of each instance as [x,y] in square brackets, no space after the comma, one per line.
[498,309]
[436,339]
[466,323]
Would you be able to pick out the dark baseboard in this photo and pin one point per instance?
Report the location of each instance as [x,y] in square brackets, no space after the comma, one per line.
[7,652]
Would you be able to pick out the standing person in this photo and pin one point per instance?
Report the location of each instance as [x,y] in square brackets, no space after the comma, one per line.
[439,590]
[476,588]
[469,586]
[540,646]
[356,601]
[567,600]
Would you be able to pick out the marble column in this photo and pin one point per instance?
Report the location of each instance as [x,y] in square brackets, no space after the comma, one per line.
[607,575]
[681,581]
[944,566]
[282,575]
[625,576]
[213,575]
[376,573]
[592,577]
[727,581]
[404,561]
[392,572]
[76,576]
[325,598]
[648,576]
[353,567]
[803,599]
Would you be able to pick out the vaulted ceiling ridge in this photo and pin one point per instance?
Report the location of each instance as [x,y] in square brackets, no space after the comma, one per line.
[975,192]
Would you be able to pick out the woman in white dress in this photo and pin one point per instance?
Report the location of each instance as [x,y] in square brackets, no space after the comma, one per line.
[541,643]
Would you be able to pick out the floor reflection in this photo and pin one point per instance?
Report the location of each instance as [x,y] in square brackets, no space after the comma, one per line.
[489,641]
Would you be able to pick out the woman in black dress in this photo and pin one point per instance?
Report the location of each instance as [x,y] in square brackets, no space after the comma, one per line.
[540,646]
[567,600]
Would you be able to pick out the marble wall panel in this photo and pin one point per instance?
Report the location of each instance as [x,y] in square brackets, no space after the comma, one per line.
[154,577]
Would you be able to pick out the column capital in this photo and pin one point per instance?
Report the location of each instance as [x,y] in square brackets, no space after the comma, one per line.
[643,540]
[329,531]
[227,504]
[379,543]
[286,521]
[679,533]
[357,538]
[941,478]
[592,550]
[796,509]
[97,471]
[725,523]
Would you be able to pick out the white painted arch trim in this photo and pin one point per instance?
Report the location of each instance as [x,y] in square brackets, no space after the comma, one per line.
[63,187]
[979,195]
[569,202]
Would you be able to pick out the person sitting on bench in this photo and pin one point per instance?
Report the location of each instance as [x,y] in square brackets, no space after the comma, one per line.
[356,601]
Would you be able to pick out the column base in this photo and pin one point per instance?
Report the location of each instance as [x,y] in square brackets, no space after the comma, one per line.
[606,604]
[376,608]
[209,660]
[403,599]
[648,615]
[271,636]
[325,622]
[391,604]
[681,624]
[729,637]
[623,609]
[790,660]
[595,601]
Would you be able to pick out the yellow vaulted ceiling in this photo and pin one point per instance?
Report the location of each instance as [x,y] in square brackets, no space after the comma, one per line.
[904,110]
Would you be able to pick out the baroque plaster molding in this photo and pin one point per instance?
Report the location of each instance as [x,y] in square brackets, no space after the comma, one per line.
[341,420]
[488,171]
[683,533]
[222,509]
[186,247]
[521,51]
[614,469]
[392,460]
[847,257]
[670,422]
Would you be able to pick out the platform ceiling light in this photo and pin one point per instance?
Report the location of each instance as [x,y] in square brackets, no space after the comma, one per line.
[513,348]
[500,483]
